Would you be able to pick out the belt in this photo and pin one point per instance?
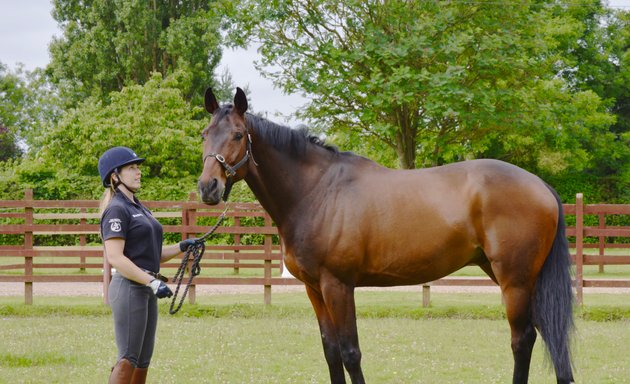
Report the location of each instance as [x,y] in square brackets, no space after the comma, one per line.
[156,275]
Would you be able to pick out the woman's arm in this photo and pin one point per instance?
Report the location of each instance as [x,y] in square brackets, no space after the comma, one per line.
[114,251]
[169,251]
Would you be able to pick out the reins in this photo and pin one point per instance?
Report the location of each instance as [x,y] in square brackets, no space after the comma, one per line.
[196,251]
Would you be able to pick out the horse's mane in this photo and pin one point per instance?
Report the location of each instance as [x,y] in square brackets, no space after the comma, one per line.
[284,138]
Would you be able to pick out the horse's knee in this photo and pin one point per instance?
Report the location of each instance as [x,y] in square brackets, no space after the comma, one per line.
[351,357]
[331,351]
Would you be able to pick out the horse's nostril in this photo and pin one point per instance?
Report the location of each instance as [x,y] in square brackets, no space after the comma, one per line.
[213,184]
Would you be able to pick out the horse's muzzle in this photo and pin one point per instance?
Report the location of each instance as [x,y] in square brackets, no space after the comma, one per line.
[211,191]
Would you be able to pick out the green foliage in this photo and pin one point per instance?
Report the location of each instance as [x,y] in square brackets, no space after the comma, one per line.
[28,105]
[152,119]
[8,144]
[435,81]
[13,99]
[107,45]
[429,83]
[568,184]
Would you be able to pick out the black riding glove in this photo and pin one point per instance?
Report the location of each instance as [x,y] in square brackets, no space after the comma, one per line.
[184,244]
[160,289]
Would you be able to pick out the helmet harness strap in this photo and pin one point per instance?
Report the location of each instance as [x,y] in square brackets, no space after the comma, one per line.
[119,181]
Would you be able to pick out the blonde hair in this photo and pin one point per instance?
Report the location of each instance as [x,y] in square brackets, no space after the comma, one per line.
[106,198]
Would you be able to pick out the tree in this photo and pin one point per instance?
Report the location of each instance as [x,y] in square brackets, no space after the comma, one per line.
[8,145]
[27,105]
[12,98]
[107,45]
[598,60]
[437,81]
[153,119]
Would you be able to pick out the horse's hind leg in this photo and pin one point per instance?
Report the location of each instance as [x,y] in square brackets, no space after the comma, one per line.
[519,314]
[329,337]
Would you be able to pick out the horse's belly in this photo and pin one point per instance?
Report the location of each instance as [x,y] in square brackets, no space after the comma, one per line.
[418,257]
[417,271]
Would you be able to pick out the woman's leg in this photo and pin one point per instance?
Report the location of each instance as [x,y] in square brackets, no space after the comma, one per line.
[130,303]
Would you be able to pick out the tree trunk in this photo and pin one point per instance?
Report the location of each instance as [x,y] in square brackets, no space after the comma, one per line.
[406,139]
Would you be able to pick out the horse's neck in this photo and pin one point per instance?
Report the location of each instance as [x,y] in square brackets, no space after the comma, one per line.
[278,181]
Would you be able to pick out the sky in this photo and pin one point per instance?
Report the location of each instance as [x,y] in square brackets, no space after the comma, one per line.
[27,27]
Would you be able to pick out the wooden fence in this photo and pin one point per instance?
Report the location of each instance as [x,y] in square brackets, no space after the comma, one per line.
[248,252]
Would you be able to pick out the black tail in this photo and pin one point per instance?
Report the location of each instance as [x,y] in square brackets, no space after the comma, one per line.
[553,313]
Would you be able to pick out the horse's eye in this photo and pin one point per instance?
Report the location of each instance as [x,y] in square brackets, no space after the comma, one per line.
[238,136]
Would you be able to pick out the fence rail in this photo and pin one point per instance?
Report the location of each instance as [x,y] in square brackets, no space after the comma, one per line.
[249,252]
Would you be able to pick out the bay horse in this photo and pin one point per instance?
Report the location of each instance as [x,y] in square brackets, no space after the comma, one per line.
[339,217]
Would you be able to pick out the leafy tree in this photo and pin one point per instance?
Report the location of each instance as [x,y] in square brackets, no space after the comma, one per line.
[107,45]
[598,60]
[152,119]
[8,145]
[435,81]
[27,105]
[12,96]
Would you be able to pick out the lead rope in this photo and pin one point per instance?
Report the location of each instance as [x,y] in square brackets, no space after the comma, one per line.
[196,250]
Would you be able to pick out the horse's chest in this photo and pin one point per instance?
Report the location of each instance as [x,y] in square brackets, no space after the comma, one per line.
[302,264]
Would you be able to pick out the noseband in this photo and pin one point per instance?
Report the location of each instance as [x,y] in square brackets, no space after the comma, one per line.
[230,171]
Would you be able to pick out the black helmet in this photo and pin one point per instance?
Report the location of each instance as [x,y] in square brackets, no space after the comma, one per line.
[113,158]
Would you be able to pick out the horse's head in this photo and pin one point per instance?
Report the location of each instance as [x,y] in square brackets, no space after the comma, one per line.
[226,147]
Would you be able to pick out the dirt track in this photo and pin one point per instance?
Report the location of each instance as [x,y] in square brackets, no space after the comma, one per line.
[96,289]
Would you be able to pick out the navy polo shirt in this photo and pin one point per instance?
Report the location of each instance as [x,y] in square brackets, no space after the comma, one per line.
[135,224]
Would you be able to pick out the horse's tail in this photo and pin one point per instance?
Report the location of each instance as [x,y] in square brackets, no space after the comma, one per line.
[553,308]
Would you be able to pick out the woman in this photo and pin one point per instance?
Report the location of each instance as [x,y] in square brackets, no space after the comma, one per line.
[133,246]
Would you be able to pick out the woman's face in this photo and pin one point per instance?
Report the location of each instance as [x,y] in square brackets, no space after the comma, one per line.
[130,175]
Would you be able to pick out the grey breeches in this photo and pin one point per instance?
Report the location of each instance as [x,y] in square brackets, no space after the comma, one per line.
[134,307]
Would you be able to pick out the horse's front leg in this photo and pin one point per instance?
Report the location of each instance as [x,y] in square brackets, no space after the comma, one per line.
[329,337]
[339,300]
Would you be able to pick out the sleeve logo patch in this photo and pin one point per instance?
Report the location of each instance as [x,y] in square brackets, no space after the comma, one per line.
[115,225]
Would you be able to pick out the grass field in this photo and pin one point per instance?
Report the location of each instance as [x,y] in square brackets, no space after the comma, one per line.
[462,338]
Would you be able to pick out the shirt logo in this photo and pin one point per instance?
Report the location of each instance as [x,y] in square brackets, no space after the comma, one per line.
[137,214]
[115,225]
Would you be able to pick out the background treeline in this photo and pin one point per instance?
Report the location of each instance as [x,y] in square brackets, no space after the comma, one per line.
[542,84]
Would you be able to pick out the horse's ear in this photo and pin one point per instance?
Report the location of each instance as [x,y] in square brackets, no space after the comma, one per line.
[240,101]
[210,101]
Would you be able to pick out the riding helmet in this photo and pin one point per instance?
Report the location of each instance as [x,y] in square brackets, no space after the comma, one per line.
[114,158]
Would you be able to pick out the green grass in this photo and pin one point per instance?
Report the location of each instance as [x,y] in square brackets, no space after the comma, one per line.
[461,338]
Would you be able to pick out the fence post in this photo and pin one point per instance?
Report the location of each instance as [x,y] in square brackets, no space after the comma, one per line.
[268,256]
[601,241]
[28,245]
[426,295]
[189,216]
[83,240]
[579,248]
[237,242]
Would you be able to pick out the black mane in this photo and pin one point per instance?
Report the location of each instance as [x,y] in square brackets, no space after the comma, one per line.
[284,138]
